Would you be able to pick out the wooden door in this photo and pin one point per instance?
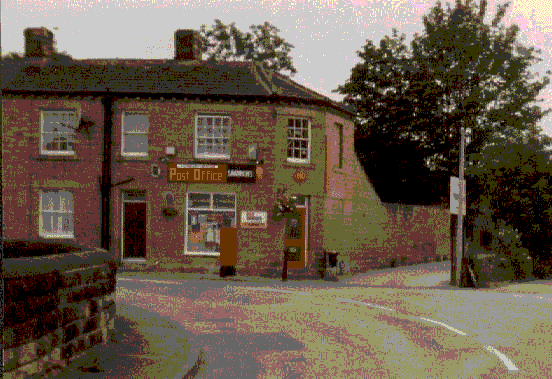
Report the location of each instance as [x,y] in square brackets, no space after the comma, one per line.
[296,237]
[134,229]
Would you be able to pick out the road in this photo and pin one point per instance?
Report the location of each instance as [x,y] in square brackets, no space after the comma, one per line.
[398,323]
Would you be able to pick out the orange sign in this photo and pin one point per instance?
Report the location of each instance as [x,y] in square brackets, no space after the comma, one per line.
[197,173]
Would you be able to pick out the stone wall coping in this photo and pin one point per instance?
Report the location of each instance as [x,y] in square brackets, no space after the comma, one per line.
[32,266]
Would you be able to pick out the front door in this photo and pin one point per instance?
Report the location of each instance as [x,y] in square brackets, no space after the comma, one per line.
[134,230]
[296,239]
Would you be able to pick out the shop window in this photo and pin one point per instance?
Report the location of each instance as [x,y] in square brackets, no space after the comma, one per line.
[56,214]
[207,213]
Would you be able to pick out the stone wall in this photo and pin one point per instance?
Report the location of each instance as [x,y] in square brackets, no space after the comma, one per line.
[57,308]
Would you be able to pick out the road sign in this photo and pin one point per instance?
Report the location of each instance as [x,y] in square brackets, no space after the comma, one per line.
[455,195]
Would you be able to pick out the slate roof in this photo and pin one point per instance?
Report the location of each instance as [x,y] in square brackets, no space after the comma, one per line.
[143,76]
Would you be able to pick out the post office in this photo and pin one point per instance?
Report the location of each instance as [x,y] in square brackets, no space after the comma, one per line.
[179,163]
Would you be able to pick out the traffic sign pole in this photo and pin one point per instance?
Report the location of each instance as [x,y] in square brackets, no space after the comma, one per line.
[459,232]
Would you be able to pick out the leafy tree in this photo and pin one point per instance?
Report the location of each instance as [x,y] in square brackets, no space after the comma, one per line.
[459,72]
[227,43]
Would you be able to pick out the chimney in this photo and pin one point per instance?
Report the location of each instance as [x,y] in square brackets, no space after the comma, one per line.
[39,42]
[187,45]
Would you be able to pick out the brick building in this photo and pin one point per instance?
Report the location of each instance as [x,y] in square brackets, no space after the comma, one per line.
[180,162]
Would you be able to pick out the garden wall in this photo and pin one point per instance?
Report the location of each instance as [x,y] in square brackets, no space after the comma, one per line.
[57,308]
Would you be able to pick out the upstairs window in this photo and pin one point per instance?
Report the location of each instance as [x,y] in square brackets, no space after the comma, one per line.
[56,214]
[298,140]
[212,136]
[135,134]
[57,132]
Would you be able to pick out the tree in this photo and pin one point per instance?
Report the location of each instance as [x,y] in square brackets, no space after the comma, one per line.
[227,43]
[459,72]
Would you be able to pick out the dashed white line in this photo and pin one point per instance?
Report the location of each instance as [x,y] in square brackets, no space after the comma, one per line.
[445,325]
[363,303]
[507,362]
[503,358]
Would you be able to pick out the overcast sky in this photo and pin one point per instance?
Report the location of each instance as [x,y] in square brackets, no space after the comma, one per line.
[326,34]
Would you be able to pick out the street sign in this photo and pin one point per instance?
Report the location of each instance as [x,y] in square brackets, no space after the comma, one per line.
[455,195]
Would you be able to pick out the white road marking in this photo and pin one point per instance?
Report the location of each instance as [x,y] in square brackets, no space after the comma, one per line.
[363,303]
[150,280]
[503,358]
[507,362]
[445,325]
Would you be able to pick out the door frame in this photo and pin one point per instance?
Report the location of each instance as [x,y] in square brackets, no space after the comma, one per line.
[306,231]
[123,202]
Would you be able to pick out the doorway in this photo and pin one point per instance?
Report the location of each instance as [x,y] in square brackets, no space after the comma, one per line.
[296,235]
[134,225]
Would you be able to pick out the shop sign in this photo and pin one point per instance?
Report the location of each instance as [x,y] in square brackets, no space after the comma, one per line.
[197,173]
[253,219]
[244,173]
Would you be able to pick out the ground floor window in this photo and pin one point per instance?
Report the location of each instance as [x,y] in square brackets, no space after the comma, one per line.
[206,214]
[56,214]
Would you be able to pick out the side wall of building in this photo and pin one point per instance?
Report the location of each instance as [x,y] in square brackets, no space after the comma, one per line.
[355,217]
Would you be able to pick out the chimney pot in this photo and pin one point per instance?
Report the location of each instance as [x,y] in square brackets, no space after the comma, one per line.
[187,45]
[39,42]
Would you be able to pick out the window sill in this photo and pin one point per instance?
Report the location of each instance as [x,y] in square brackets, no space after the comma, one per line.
[44,157]
[200,254]
[308,166]
[130,158]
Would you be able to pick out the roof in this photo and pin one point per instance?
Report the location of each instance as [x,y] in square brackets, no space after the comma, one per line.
[153,77]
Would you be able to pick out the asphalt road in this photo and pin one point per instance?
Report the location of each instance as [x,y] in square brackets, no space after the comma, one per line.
[398,323]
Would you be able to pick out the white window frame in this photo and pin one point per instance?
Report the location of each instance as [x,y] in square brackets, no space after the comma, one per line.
[124,134]
[211,208]
[213,117]
[56,211]
[68,136]
[291,136]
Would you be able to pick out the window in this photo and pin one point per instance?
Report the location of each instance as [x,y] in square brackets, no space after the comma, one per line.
[135,134]
[298,137]
[340,129]
[212,136]
[57,132]
[207,213]
[56,214]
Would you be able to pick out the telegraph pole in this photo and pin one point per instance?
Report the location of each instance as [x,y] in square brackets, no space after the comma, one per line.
[459,229]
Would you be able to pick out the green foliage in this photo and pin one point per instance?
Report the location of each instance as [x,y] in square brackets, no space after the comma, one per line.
[227,43]
[459,72]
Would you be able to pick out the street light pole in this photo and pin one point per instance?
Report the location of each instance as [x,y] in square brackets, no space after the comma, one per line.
[459,229]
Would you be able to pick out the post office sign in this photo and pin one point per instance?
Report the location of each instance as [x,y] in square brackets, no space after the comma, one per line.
[197,173]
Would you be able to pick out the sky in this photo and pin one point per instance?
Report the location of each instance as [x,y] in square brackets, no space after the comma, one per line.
[326,34]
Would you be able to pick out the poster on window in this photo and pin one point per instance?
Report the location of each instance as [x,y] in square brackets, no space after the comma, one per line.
[253,220]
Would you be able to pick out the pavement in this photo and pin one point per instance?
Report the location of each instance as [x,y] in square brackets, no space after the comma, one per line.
[145,346]
[172,327]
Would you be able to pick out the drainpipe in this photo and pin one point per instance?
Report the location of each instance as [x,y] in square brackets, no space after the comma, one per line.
[105,185]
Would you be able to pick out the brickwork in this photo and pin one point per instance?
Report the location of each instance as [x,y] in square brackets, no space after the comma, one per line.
[51,319]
